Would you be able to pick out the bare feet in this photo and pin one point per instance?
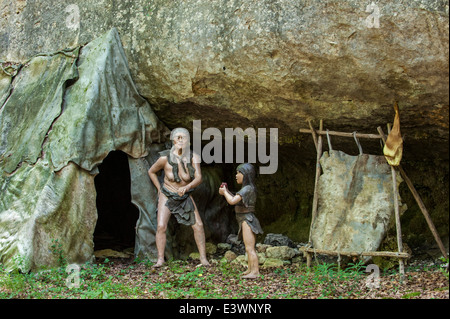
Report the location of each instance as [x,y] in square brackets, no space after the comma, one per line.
[158,264]
[251,276]
[246,272]
[205,262]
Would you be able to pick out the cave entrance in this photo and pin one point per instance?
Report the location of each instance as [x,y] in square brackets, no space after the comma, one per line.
[117,216]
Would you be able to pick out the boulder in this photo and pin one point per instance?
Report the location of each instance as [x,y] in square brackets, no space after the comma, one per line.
[194,256]
[280,252]
[240,260]
[261,248]
[278,240]
[221,247]
[230,255]
[210,248]
[233,239]
[261,258]
[272,263]
[297,260]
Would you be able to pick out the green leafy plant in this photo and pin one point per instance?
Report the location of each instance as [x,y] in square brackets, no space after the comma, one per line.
[334,280]
[183,279]
[444,267]
[57,250]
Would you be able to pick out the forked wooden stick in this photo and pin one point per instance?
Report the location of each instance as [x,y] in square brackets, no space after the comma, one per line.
[419,201]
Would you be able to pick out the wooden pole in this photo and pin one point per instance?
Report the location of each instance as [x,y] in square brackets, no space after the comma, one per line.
[424,211]
[343,134]
[315,198]
[308,259]
[397,220]
[317,137]
[355,254]
[419,201]
[314,135]
[397,217]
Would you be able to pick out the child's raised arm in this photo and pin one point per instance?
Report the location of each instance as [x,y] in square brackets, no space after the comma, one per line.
[231,199]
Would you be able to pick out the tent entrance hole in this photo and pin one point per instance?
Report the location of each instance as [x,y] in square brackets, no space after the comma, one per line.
[117,216]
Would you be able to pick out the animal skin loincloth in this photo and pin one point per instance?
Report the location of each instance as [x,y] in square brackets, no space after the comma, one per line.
[251,221]
[182,207]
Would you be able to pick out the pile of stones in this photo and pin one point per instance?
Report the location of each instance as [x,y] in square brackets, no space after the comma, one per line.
[276,250]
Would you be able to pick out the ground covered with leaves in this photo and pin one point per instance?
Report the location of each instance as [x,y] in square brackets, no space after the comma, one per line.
[131,279]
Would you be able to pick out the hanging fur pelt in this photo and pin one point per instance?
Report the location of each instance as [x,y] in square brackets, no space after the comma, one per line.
[393,149]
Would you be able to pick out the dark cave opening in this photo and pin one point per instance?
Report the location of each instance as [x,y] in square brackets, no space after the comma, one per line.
[117,216]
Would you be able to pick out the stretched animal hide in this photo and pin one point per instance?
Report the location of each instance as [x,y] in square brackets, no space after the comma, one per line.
[355,202]
[393,149]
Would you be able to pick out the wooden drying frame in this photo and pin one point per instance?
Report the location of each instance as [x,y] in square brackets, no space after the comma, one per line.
[308,251]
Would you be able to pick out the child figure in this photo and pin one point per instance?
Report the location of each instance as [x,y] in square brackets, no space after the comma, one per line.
[249,225]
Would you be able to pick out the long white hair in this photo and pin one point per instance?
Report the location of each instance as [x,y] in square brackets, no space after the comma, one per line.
[186,151]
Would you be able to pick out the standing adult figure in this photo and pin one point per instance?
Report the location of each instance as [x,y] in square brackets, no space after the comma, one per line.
[182,174]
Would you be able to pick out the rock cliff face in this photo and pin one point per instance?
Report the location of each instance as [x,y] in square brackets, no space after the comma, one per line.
[270,63]
[265,64]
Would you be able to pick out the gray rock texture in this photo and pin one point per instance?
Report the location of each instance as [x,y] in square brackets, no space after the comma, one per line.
[269,63]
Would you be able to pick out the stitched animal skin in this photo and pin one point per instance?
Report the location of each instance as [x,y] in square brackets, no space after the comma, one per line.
[393,149]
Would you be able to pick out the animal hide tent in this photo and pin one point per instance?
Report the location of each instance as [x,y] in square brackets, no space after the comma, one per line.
[60,117]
